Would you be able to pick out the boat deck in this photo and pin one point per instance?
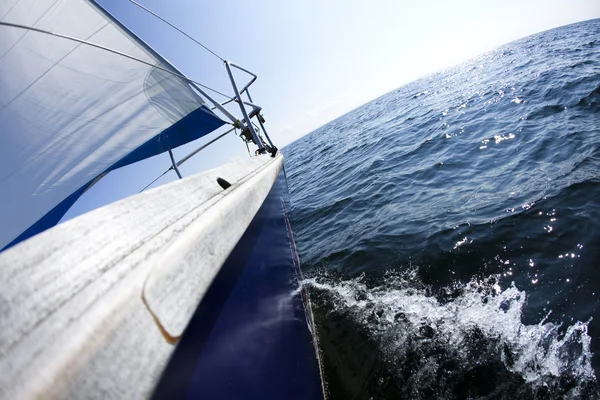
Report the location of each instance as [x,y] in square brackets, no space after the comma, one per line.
[95,307]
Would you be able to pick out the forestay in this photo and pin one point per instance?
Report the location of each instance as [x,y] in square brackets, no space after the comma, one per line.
[70,112]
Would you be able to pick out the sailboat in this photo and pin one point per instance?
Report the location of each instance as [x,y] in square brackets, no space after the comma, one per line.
[186,290]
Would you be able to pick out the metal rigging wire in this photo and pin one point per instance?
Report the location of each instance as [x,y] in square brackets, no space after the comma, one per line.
[160,176]
[177,29]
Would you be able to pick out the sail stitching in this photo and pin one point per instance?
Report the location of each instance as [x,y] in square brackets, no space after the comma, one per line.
[49,69]
[60,35]
[21,38]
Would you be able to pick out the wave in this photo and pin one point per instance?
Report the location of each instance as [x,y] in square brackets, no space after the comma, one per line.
[592,99]
[466,339]
[546,111]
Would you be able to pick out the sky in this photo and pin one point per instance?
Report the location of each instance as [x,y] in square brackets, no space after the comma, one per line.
[316,60]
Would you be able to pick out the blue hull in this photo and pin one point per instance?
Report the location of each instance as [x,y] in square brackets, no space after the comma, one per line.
[251,338]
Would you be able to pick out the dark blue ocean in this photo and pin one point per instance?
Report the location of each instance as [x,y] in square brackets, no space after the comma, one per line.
[450,229]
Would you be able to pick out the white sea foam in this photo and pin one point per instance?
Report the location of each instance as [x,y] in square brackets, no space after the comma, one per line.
[396,314]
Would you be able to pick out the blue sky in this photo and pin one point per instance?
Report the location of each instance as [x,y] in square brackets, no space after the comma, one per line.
[317,60]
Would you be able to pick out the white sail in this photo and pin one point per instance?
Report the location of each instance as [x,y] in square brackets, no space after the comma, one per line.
[70,112]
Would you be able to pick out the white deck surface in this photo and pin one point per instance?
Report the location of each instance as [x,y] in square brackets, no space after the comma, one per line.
[92,308]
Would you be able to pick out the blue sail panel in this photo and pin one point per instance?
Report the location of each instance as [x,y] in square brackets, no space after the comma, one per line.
[193,126]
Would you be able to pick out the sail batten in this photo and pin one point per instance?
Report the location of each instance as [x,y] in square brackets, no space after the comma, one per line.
[70,112]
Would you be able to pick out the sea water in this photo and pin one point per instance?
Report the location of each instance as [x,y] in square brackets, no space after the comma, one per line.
[449,230]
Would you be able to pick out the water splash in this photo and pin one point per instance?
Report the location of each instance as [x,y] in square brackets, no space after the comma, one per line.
[466,329]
